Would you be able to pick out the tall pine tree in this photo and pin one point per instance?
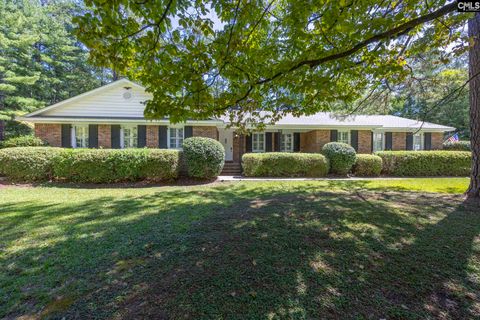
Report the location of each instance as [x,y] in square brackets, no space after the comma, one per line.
[41,60]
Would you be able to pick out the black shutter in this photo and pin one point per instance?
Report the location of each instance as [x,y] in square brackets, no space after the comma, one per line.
[248,143]
[296,142]
[115,136]
[427,141]
[276,138]
[188,131]
[333,135]
[93,136]
[409,141]
[354,139]
[2,130]
[66,136]
[162,137]
[141,136]
[268,141]
[388,141]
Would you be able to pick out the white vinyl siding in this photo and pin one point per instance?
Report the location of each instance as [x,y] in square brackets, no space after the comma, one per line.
[79,134]
[286,142]
[109,103]
[378,141]
[175,138]
[343,136]
[258,142]
[128,136]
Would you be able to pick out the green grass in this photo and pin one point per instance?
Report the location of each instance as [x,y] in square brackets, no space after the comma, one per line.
[251,250]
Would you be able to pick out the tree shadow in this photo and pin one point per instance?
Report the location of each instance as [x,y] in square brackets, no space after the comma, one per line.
[235,251]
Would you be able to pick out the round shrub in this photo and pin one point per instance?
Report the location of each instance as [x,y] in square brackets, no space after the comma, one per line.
[426,163]
[341,156]
[284,164]
[27,164]
[204,157]
[367,165]
[457,146]
[22,141]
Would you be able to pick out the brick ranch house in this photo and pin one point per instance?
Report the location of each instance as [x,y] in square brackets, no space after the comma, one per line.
[112,117]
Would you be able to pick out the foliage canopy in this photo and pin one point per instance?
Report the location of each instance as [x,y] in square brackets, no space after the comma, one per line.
[202,58]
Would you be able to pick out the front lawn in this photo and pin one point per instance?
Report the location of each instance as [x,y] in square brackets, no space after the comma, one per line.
[250,250]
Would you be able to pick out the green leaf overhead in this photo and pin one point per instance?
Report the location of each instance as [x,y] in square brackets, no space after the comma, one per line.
[200,59]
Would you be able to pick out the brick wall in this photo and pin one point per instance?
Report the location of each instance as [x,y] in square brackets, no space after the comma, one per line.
[104,136]
[314,140]
[205,131]
[399,141]
[364,141]
[152,136]
[437,140]
[50,133]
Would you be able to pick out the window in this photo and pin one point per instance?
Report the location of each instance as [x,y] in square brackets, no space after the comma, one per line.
[258,142]
[417,142]
[176,138]
[343,136]
[128,137]
[378,142]
[80,136]
[286,142]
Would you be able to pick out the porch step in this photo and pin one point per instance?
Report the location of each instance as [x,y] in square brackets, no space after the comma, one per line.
[231,169]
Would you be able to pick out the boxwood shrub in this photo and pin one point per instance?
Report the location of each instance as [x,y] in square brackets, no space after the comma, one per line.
[105,166]
[367,165]
[22,141]
[341,156]
[284,164]
[203,157]
[426,163]
[88,165]
[28,164]
[457,146]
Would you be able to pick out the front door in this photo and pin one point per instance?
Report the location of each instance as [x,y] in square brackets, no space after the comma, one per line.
[226,138]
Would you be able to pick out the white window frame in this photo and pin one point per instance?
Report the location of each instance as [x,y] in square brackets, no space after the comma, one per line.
[421,145]
[382,134]
[256,147]
[74,136]
[342,132]
[178,140]
[283,142]
[133,137]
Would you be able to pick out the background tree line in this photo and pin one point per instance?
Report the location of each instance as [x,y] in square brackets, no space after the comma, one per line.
[41,60]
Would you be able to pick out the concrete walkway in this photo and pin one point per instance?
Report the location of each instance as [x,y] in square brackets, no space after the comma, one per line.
[241,178]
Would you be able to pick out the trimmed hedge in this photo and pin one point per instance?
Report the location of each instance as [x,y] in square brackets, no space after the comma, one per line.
[28,164]
[457,146]
[426,163]
[22,141]
[204,157]
[367,165]
[284,164]
[342,157]
[105,166]
[89,165]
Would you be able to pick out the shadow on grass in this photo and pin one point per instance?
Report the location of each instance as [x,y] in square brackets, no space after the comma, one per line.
[235,251]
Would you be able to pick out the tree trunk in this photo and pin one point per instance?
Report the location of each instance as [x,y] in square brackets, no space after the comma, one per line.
[473,191]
